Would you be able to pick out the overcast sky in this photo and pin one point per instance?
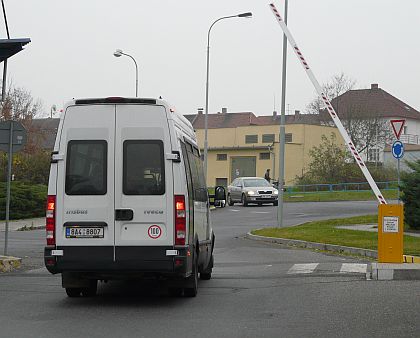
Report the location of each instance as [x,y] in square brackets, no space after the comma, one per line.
[71,53]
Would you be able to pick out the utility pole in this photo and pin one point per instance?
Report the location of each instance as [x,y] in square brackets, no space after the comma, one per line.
[282,127]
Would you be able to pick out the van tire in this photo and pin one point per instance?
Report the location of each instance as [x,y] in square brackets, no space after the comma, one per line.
[206,274]
[73,292]
[175,292]
[91,290]
[192,281]
[229,200]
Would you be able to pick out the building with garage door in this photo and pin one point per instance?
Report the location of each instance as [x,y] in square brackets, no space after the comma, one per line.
[243,144]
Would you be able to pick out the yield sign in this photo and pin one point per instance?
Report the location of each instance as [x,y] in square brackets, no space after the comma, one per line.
[397,126]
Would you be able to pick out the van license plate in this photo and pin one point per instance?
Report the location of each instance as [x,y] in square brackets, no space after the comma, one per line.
[88,232]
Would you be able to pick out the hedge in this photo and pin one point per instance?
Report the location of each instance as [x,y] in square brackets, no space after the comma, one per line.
[27,200]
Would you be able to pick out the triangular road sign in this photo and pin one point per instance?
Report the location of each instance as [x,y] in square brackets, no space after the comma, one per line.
[397,126]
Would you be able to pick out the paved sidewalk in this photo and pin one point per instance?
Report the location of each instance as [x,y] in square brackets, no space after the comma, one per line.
[30,222]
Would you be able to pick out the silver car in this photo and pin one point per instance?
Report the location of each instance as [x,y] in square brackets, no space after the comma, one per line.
[255,190]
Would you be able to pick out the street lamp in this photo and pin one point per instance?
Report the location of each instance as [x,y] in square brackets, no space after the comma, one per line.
[242,15]
[117,54]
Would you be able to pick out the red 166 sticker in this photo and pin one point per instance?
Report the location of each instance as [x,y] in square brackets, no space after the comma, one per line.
[154,231]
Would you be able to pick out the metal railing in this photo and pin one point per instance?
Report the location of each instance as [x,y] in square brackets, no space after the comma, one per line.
[409,139]
[340,187]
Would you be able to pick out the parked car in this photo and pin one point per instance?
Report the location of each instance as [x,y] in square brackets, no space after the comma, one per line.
[255,190]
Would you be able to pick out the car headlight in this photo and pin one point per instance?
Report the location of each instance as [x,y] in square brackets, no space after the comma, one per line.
[251,192]
[275,192]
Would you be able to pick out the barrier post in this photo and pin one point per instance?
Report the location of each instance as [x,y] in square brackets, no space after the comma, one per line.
[390,233]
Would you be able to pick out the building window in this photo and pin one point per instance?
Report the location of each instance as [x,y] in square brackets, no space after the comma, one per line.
[222,181]
[221,157]
[373,155]
[268,138]
[264,156]
[289,138]
[251,138]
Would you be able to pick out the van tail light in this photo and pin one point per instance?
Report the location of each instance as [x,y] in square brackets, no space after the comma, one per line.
[50,220]
[180,220]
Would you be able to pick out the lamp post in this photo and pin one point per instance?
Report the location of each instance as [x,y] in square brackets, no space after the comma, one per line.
[282,126]
[117,54]
[242,15]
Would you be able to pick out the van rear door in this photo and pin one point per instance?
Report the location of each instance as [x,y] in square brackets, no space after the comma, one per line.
[143,181]
[85,189]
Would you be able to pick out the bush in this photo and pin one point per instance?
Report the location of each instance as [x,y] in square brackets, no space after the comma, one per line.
[26,201]
[410,186]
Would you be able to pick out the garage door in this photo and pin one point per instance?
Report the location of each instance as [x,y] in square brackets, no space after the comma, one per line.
[243,166]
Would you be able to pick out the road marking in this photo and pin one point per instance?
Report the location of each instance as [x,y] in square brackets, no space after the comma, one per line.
[260,212]
[233,210]
[302,268]
[40,270]
[353,267]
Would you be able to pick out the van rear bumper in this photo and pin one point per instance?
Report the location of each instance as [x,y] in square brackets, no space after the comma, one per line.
[132,260]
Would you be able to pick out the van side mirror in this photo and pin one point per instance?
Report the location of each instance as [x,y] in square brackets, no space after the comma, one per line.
[219,194]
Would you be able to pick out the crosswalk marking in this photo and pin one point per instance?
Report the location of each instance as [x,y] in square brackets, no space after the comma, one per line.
[353,267]
[302,268]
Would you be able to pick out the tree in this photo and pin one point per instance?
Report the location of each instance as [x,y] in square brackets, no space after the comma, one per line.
[329,164]
[339,84]
[19,105]
[328,161]
[366,128]
[410,187]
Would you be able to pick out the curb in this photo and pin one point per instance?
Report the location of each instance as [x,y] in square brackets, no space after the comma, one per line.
[8,263]
[386,271]
[25,228]
[410,270]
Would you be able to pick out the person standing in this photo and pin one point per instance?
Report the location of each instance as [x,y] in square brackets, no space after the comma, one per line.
[267,175]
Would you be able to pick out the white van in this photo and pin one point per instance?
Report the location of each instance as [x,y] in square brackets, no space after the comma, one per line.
[127,197]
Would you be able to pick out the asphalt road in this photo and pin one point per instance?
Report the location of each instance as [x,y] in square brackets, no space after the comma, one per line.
[256,291]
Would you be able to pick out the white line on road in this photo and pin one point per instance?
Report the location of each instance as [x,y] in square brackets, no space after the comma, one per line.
[353,267]
[233,210]
[260,212]
[302,268]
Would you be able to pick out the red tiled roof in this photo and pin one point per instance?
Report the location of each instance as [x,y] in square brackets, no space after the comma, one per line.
[373,101]
[233,120]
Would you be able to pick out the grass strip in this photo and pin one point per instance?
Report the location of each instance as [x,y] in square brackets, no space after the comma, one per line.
[326,232]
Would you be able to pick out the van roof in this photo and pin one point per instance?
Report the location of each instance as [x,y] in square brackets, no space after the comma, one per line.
[136,100]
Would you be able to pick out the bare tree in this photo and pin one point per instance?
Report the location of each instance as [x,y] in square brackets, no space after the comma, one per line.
[339,84]
[366,128]
[19,105]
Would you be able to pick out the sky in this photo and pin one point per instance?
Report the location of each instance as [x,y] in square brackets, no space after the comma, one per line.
[71,53]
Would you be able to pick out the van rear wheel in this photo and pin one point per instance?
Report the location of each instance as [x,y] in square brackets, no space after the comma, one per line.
[192,289]
[73,292]
[206,274]
[90,291]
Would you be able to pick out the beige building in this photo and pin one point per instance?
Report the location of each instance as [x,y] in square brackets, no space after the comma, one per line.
[242,144]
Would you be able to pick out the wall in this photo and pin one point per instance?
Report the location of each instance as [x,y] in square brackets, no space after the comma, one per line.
[231,141]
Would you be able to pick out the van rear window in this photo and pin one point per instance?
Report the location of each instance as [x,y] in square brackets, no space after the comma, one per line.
[86,172]
[143,169]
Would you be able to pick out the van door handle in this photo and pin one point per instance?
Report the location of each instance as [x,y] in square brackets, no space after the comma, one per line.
[124,215]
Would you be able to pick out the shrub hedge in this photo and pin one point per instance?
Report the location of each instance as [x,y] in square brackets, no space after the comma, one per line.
[26,200]
[410,187]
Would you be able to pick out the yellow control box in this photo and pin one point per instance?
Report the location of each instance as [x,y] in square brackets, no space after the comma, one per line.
[390,233]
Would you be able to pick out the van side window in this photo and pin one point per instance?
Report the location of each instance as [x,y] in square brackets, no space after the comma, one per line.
[86,167]
[143,167]
[197,175]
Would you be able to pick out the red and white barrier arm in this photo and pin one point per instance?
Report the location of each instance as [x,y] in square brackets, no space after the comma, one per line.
[329,106]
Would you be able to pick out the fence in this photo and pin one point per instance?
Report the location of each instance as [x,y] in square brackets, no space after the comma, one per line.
[340,187]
